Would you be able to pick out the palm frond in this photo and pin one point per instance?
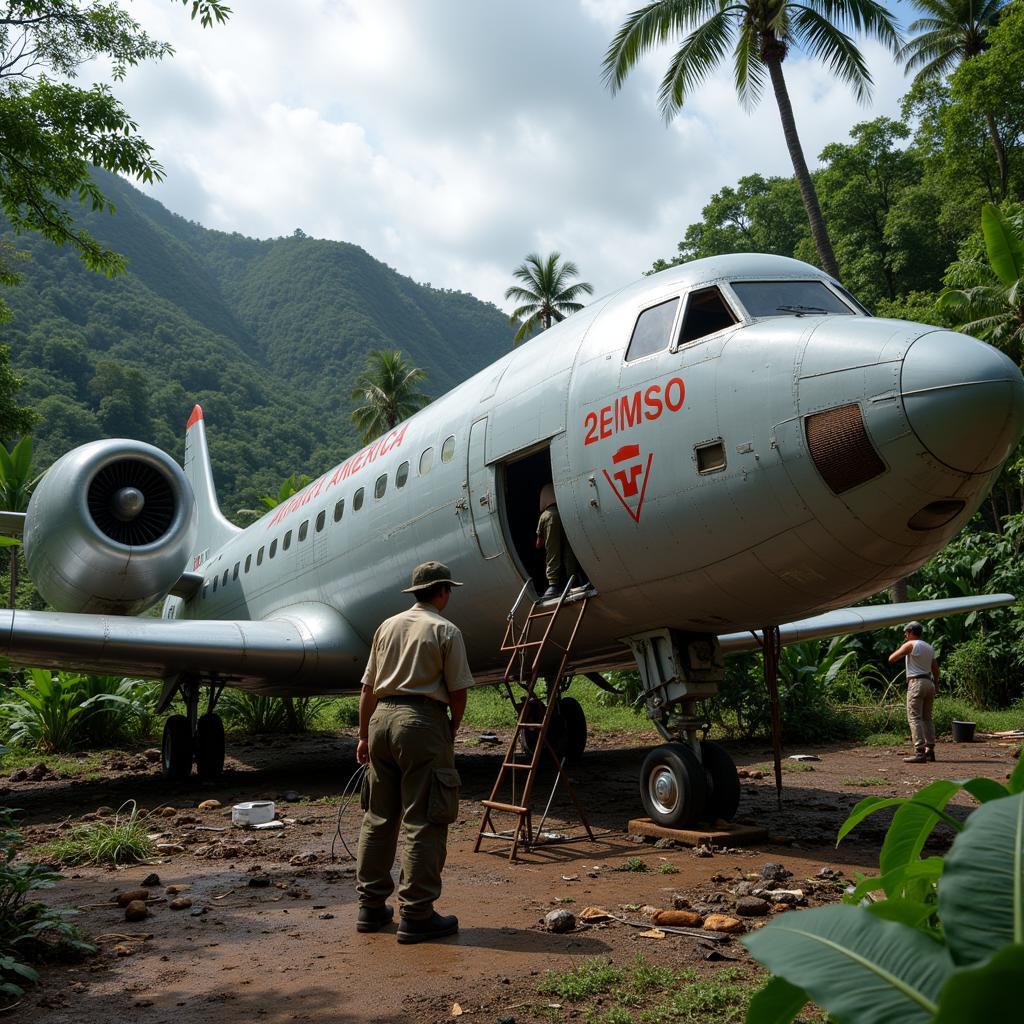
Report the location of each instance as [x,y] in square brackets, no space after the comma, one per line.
[748,68]
[646,28]
[822,39]
[702,51]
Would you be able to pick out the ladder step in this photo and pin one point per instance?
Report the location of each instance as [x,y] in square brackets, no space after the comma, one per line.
[531,725]
[542,615]
[515,764]
[496,805]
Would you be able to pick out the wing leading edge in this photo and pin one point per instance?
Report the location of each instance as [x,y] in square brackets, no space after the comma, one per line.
[862,620]
[305,647]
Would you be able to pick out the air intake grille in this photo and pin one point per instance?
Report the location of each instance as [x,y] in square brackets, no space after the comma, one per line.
[841,449]
[157,512]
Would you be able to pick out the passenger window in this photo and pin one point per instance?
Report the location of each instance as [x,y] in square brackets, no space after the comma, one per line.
[224,582]
[402,474]
[706,313]
[287,542]
[259,557]
[205,588]
[426,461]
[216,580]
[248,562]
[357,499]
[273,547]
[448,449]
[234,572]
[380,486]
[653,330]
[320,520]
[710,456]
[339,510]
[303,530]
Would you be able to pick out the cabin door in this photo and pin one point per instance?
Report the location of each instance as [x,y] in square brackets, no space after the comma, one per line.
[483,500]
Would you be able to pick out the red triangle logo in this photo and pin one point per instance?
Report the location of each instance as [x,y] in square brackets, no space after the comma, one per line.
[628,478]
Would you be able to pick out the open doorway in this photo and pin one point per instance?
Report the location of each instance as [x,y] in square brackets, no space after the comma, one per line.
[524,477]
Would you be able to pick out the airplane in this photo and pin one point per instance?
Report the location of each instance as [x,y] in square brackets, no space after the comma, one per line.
[735,444]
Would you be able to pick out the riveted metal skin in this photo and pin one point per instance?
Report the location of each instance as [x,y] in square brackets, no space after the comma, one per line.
[669,541]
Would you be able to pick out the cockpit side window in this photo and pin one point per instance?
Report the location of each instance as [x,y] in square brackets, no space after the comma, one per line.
[706,313]
[653,330]
[793,298]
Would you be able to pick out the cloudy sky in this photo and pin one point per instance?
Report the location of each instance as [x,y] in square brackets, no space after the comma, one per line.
[449,138]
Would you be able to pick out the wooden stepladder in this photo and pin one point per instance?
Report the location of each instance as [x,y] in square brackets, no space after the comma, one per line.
[529,645]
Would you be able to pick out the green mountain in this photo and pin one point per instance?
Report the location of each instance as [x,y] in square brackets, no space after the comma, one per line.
[268,335]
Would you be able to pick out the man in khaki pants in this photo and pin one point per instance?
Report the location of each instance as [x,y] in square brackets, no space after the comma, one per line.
[416,672]
[922,683]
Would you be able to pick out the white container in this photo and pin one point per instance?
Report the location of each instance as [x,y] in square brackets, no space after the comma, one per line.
[254,812]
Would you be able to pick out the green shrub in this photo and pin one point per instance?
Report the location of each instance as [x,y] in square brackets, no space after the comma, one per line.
[945,942]
[347,712]
[125,840]
[253,713]
[28,929]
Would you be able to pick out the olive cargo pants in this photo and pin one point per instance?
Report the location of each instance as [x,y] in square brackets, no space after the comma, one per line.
[411,781]
[920,697]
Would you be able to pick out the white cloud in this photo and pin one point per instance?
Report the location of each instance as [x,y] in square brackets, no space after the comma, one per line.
[449,139]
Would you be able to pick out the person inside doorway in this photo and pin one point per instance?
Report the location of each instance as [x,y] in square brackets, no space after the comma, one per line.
[559,561]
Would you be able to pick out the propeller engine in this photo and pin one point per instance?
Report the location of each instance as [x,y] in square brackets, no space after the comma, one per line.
[110,528]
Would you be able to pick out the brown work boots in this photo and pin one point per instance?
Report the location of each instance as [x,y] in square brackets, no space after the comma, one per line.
[921,757]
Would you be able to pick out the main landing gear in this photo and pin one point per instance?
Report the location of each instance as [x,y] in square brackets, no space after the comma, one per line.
[567,731]
[686,780]
[193,737]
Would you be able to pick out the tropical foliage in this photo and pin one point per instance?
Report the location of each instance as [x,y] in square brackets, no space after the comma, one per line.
[29,929]
[928,939]
[388,392]
[545,295]
[760,36]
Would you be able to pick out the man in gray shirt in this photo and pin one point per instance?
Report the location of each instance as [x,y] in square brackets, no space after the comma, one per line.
[416,672]
[922,683]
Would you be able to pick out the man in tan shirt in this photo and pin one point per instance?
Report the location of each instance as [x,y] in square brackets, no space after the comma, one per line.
[416,672]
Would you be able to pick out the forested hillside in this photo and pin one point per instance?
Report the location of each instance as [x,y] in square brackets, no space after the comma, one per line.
[267,335]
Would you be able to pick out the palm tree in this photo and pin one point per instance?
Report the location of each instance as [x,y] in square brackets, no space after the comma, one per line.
[548,296]
[387,390]
[955,31]
[16,486]
[988,301]
[760,34]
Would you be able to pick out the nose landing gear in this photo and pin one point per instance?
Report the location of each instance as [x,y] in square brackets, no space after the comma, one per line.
[685,780]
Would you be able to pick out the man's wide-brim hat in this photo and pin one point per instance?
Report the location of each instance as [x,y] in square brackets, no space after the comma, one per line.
[429,573]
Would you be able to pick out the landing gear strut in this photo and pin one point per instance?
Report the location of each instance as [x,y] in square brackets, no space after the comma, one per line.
[191,737]
[685,780]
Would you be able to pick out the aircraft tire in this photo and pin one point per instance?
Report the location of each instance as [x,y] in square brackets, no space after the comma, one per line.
[210,747]
[574,720]
[673,786]
[723,781]
[556,729]
[177,748]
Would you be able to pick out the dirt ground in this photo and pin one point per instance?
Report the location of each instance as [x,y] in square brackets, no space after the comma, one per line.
[290,952]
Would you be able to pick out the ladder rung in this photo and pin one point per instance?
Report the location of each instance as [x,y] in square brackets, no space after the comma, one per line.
[515,764]
[509,837]
[531,725]
[495,805]
[542,615]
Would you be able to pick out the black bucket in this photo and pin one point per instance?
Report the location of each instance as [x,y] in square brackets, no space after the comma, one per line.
[963,732]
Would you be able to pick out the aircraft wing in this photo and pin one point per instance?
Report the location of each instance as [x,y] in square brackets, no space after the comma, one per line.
[12,523]
[861,620]
[307,647]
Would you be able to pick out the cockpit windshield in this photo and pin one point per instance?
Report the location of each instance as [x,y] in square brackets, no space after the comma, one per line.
[793,298]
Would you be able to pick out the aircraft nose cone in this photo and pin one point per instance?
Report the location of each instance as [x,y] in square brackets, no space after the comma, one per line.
[964,400]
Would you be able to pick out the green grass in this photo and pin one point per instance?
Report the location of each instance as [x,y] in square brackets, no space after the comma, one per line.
[633,864]
[66,764]
[885,739]
[863,783]
[649,993]
[123,840]
[488,708]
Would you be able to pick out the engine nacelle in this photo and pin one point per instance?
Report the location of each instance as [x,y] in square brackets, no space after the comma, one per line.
[110,528]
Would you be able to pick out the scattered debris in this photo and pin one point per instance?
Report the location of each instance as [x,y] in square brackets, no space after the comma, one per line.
[259,882]
[488,737]
[652,933]
[804,757]
[136,911]
[680,918]
[752,906]
[131,896]
[180,903]
[209,805]
[593,915]
[724,923]
[151,881]
[268,826]
[559,921]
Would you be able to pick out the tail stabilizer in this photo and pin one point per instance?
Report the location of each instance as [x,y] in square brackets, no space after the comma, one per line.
[214,530]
